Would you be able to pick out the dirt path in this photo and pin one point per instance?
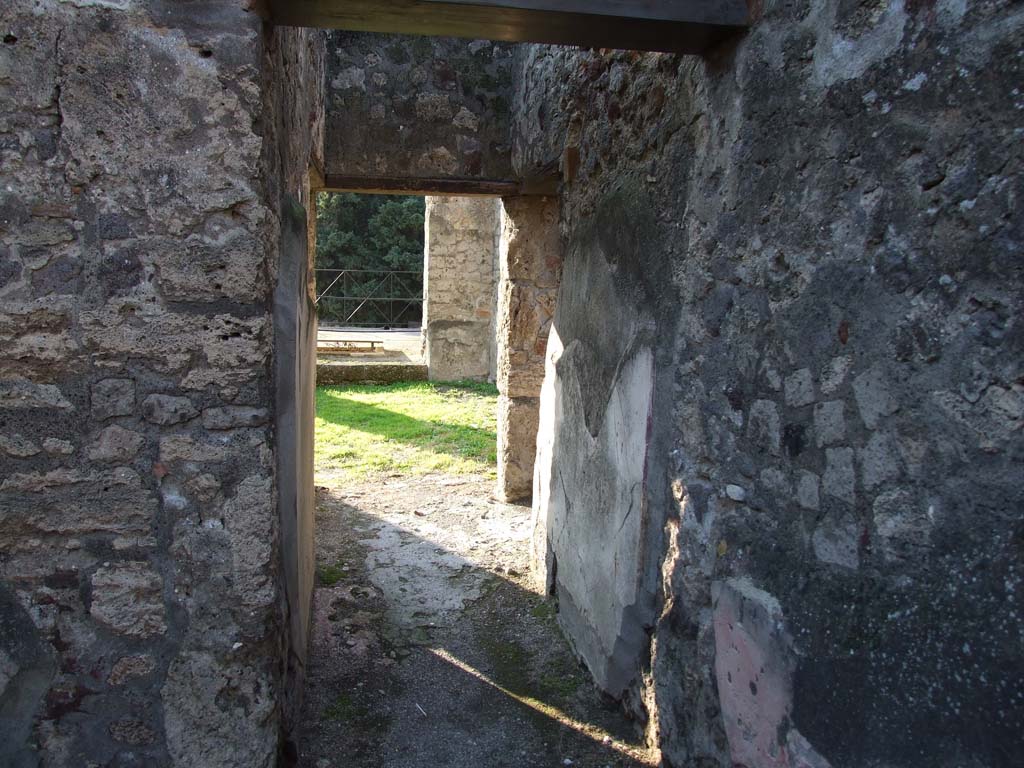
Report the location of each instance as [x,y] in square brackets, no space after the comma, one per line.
[429,646]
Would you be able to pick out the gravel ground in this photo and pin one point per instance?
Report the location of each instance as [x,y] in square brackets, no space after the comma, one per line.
[430,648]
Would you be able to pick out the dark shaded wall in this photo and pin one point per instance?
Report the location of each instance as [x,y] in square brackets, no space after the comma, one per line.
[145,149]
[407,108]
[793,284]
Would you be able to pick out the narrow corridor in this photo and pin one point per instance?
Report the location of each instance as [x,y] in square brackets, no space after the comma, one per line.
[430,648]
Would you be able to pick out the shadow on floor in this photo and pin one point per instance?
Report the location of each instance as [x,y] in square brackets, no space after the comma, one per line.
[429,649]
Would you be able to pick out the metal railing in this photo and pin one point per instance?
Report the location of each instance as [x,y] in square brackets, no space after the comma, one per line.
[362,298]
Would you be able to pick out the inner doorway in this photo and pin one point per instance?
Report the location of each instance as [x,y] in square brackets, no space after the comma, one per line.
[430,643]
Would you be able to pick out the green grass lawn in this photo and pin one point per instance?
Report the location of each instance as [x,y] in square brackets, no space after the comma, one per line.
[414,427]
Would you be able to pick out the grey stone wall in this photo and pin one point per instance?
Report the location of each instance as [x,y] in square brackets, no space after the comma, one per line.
[781,429]
[408,108]
[461,249]
[143,616]
[530,262]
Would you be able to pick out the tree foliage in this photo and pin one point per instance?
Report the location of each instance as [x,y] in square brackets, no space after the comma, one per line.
[378,233]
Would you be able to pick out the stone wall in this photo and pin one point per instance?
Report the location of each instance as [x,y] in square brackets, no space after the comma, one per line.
[404,108]
[530,266]
[149,153]
[461,249]
[781,442]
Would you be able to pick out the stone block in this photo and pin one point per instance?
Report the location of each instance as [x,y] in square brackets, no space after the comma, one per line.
[839,480]
[799,388]
[234,417]
[18,446]
[116,444]
[903,525]
[829,422]
[186,448]
[128,668]
[873,393]
[836,540]
[764,427]
[128,598]
[76,503]
[57,447]
[807,490]
[168,409]
[517,446]
[113,397]
[879,460]
[18,393]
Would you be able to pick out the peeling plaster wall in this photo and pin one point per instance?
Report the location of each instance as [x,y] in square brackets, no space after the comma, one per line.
[147,149]
[801,257]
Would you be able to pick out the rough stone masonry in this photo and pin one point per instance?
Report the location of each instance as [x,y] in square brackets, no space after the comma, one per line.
[777,486]
[780,460]
[153,182]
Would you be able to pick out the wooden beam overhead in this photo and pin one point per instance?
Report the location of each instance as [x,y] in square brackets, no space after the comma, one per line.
[676,26]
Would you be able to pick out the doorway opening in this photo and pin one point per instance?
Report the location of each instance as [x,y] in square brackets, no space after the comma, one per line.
[430,643]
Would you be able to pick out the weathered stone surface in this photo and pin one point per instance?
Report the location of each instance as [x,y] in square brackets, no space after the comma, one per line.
[218,712]
[846,324]
[18,446]
[128,668]
[116,444]
[839,479]
[146,153]
[168,409]
[57,447]
[799,388]
[518,419]
[128,598]
[186,448]
[25,394]
[829,422]
[113,397]
[807,490]
[132,732]
[418,107]
[530,266]
[874,397]
[234,417]
[66,503]
[460,279]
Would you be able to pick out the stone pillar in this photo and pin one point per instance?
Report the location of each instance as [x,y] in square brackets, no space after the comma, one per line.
[531,262]
[458,287]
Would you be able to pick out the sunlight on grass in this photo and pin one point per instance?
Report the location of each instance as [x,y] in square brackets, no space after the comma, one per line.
[410,428]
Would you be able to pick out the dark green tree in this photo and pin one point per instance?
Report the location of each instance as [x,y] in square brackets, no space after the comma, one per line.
[373,233]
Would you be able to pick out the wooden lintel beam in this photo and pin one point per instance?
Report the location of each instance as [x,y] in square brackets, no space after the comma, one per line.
[377,185]
[677,26]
